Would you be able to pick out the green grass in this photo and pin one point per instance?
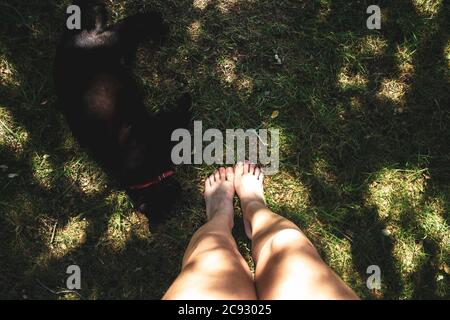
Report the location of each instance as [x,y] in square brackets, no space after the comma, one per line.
[364,117]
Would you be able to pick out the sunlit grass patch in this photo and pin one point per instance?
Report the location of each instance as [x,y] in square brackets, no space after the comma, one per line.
[357,51]
[337,252]
[86,175]
[373,45]
[227,72]
[414,222]
[394,190]
[359,55]
[226,69]
[245,86]
[287,191]
[43,171]
[324,10]
[433,221]
[404,56]
[225,6]
[427,7]
[349,81]
[8,73]
[118,9]
[65,239]
[123,223]
[394,90]
[11,134]
[200,4]
[410,254]
[356,104]
[447,57]
[195,30]
[285,137]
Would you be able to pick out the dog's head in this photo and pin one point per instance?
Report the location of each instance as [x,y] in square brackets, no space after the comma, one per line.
[156,201]
[153,159]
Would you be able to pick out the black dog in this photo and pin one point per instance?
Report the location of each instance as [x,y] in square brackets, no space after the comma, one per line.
[104,108]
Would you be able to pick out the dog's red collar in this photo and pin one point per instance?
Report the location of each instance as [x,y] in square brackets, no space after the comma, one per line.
[153,181]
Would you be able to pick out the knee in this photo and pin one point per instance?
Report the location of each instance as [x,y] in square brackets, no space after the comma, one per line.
[290,239]
[210,248]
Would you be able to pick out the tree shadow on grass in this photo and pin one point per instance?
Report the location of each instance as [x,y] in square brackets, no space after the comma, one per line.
[378,138]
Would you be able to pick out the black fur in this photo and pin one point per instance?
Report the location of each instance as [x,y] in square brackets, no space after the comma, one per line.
[103,106]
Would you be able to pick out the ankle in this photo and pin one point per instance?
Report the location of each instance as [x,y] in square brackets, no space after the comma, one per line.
[222,222]
[253,208]
[252,204]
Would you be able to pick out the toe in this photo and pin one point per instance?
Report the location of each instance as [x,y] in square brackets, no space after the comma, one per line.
[207,183]
[230,174]
[222,173]
[257,171]
[260,174]
[212,178]
[252,168]
[239,168]
[208,186]
[217,176]
[246,167]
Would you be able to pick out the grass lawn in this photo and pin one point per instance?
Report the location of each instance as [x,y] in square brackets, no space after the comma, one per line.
[365,143]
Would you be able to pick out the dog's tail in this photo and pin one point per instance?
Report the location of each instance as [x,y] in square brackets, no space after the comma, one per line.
[94,15]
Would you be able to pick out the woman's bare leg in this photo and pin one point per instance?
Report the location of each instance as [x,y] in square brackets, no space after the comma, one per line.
[287,264]
[212,266]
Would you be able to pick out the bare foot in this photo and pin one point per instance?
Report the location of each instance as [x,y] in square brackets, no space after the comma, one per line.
[219,193]
[248,182]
